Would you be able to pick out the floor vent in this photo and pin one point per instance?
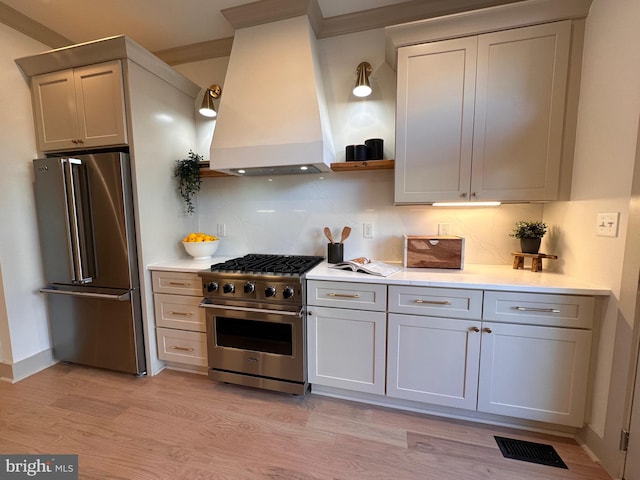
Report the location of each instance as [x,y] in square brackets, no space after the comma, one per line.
[530,452]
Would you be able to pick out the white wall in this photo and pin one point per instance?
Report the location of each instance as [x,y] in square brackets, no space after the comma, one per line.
[24,321]
[606,146]
[205,73]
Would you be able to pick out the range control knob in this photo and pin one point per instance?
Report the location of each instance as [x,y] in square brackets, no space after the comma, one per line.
[288,292]
[229,288]
[249,287]
[270,291]
[212,286]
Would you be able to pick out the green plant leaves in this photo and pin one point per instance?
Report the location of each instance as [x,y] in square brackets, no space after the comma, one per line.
[187,173]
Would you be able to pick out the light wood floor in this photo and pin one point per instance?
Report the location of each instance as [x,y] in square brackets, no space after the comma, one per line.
[184,426]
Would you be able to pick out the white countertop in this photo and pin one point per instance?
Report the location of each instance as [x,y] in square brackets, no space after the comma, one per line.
[480,277]
[188,265]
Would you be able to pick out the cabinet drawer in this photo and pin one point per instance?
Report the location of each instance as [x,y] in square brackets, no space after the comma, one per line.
[180,283]
[539,309]
[362,296]
[436,302]
[181,312]
[182,347]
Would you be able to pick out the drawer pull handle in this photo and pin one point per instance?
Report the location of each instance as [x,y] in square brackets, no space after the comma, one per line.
[184,314]
[474,329]
[344,295]
[434,302]
[532,309]
[180,284]
[184,349]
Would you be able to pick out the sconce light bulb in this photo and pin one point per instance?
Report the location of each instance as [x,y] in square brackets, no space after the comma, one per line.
[362,91]
[208,112]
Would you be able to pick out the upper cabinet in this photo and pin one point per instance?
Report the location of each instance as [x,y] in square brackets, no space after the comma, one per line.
[481,117]
[80,108]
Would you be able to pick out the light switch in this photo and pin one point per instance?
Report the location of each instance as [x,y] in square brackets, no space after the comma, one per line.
[607,224]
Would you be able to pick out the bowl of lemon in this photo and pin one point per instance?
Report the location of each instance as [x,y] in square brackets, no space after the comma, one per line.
[200,245]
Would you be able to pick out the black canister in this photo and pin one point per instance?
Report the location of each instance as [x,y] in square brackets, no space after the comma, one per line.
[361,152]
[335,252]
[350,153]
[374,148]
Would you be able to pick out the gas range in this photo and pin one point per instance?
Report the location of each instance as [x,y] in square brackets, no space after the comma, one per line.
[262,280]
[256,333]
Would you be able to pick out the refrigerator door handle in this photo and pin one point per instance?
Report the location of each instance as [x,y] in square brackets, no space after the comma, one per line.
[74,229]
[123,297]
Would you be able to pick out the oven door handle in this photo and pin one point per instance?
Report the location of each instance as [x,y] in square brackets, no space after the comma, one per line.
[206,304]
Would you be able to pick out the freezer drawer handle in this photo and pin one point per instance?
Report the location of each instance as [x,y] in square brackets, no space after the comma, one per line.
[343,295]
[124,297]
[532,309]
[433,302]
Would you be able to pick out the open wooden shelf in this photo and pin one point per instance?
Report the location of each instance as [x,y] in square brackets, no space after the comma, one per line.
[206,172]
[363,165]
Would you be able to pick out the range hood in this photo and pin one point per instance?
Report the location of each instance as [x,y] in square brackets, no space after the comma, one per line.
[272,117]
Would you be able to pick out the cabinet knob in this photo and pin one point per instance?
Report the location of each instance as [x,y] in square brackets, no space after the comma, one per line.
[463,195]
[488,330]
[474,329]
[474,194]
[309,312]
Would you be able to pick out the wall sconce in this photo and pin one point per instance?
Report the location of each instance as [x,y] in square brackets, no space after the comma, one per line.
[362,88]
[207,108]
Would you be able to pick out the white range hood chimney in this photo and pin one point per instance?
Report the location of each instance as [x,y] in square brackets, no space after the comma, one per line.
[272,117]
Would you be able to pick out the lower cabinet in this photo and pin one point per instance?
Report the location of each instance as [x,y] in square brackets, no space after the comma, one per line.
[523,355]
[347,335]
[433,360]
[533,372]
[180,322]
[347,348]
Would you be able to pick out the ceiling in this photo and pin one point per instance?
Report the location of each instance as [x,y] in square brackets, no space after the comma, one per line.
[160,25]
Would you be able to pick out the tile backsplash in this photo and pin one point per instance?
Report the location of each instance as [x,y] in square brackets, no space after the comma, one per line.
[286,214]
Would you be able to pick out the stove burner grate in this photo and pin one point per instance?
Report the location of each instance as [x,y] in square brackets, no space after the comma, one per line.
[269,264]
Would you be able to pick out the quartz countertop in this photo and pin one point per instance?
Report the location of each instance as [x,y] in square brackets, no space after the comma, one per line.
[479,277]
[188,265]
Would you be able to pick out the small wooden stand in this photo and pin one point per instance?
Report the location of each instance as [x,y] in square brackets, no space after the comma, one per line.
[536,260]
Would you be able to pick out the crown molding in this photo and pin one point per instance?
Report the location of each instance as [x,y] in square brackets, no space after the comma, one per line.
[400,13]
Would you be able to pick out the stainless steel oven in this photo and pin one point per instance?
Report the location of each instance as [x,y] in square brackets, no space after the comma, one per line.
[256,334]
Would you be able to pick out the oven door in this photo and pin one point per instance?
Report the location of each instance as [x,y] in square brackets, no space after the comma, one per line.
[257,342]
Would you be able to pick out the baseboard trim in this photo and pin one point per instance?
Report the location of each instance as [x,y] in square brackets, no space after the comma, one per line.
[27,366]
[446,412]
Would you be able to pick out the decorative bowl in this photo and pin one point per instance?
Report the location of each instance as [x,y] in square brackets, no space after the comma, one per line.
[201,250]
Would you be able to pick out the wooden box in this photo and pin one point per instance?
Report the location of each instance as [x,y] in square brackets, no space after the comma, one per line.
[433,252]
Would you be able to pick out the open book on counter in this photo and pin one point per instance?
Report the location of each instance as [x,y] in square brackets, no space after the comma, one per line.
[365,265]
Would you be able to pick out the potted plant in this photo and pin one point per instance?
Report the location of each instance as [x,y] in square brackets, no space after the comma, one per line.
[187,172]
[530,235]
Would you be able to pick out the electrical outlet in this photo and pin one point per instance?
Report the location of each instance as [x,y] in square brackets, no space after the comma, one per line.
[367,230]
[607,224]
[222,230]
[444,229]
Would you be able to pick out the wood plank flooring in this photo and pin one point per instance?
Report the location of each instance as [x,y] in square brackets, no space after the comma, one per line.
[184,426]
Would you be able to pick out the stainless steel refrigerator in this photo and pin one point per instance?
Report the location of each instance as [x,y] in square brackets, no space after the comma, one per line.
[87,236]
